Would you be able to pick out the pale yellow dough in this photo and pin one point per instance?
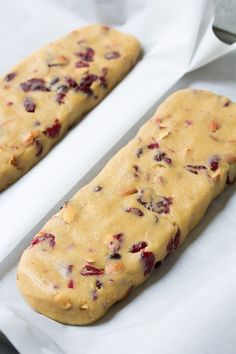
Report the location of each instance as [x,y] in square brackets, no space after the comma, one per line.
[24,134]
[149,196]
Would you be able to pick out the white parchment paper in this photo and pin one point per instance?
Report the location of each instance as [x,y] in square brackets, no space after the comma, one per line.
[188,305]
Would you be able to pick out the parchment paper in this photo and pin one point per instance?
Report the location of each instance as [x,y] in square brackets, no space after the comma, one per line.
[187,306]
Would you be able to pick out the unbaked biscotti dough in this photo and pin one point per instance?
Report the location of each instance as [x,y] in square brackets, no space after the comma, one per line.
[109,236]
[51,89]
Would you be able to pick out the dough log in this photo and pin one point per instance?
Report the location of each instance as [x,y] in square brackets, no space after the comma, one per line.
[50,90]
[108,238]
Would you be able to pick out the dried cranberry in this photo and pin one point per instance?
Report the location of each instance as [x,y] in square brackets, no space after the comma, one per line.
[174,242]
[160,206]
[97,188]
[81,64]
[159,156]
[167,160]
[157,264]
[139,152]
[136,168]
[71,284]
[38,147]
[195,168]
[45,237]
[214,163]
[153,146]
[115,243]
[54,81]
[72,83]
[60,97]
[61,93]
[94,294]
[34,85]
[87,55]
[90,270]
[112,55]
[9,77]
[227,103]
[138,247]
[86,83]
[54,130]
[176,239]
[148,260]
[135,211]
[70,268]
[98,284]
[115,256]
[29,105]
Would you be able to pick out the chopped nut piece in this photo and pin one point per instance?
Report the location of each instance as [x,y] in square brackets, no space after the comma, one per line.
[68,213]
[213,126]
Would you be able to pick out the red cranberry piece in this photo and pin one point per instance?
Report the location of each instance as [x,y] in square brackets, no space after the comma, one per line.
[86,83]
[115,256]
[45,237]
[148,260]
[153,146]
[38,147]
[135,211]
[157,264]
[90,270]
[81,64]
[227,103]
[61,93]
[159,156]
[188,122]
[164,204]
[94,294]
[54,130]
[195,168]
[9,103]
[29,105]
[214,163]
[138,247]
[9,77]
[98,284]
[136,168]
[34,84]
[60,97]
[71,284]
[70,268]
[176,239]
[112,55]
[54,81]
[167,160]
[139,152]
[97,188]
[174,242]
[71,83]
[87,55]
[115,243]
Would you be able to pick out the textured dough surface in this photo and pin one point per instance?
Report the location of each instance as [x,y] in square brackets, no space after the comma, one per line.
[51,89]
[109,236]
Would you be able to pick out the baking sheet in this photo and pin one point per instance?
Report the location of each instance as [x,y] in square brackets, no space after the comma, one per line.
[187,305]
